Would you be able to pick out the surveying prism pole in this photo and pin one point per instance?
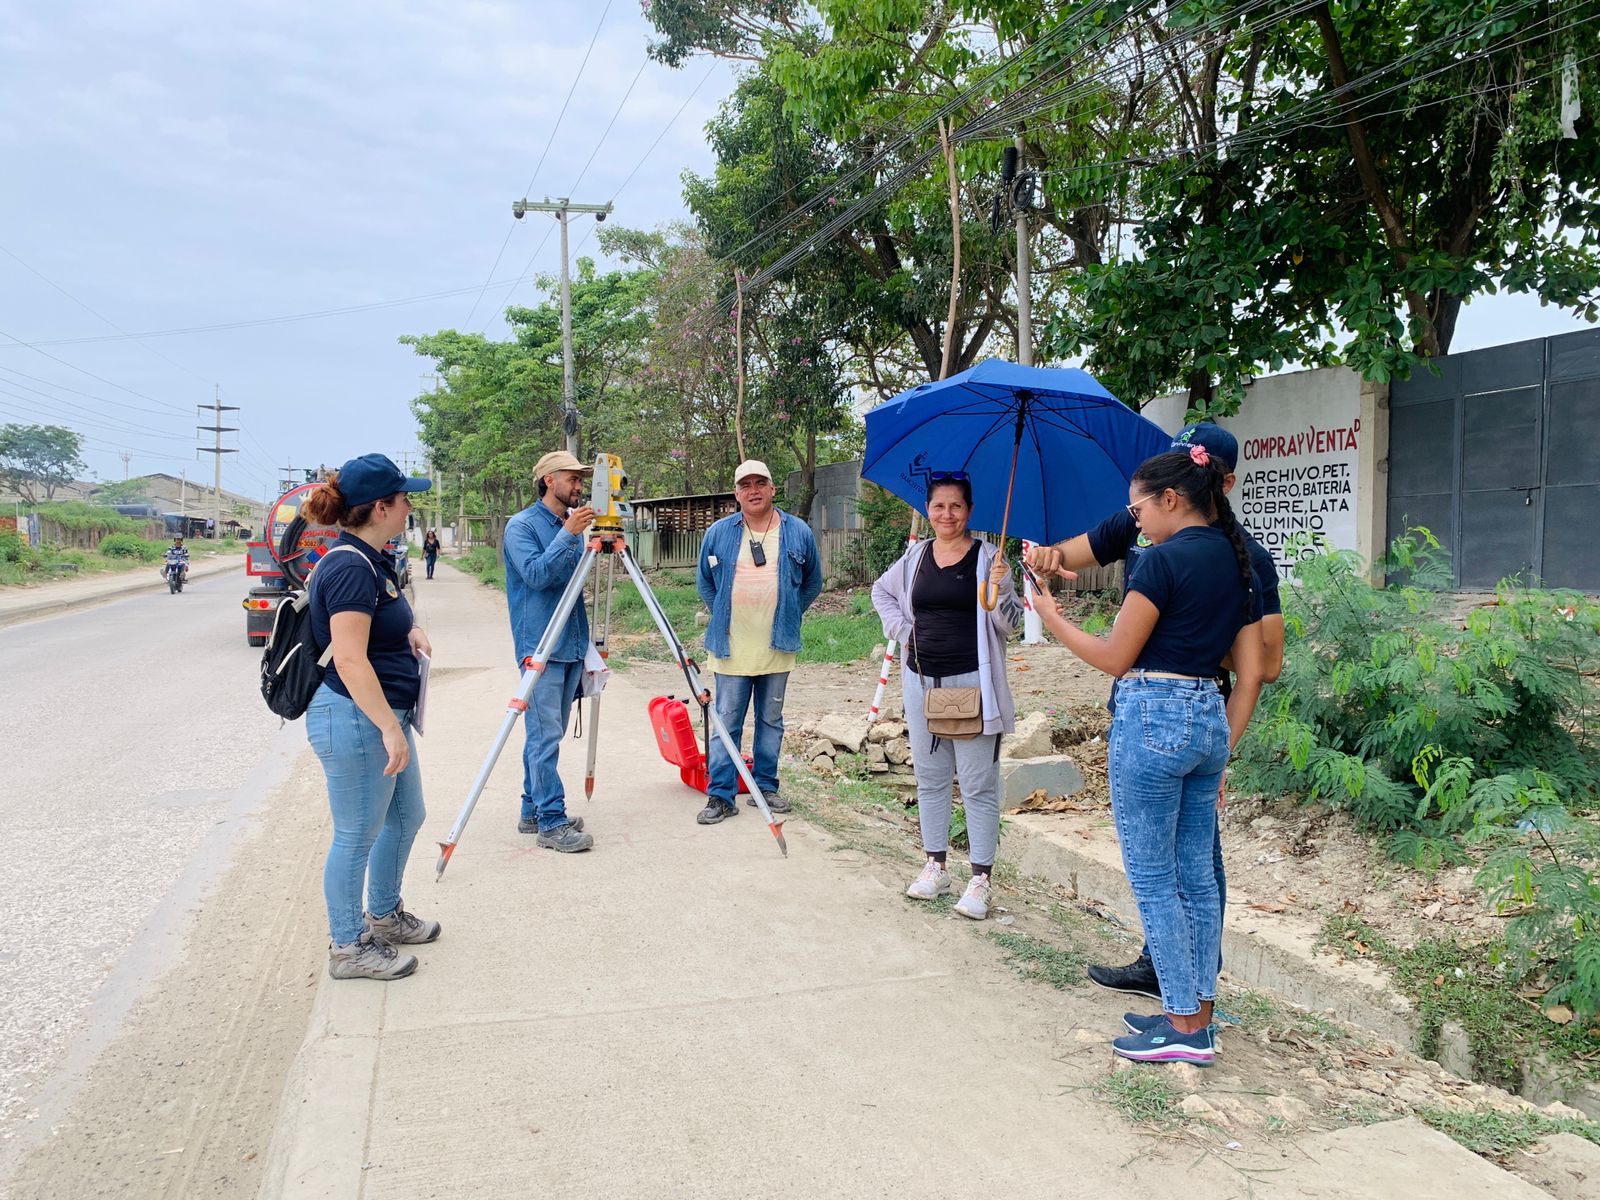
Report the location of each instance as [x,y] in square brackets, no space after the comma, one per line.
[888,651]
[1032,625]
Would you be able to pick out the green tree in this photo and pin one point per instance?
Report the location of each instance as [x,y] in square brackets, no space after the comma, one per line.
[123,491]
[37,459]
[1347,176]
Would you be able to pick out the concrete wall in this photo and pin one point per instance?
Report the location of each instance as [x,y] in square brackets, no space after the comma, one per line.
[1313,457]
[838,489]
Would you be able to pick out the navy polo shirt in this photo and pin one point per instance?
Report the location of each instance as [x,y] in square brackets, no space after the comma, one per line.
[1117,537]
[342,583]
[1193,580]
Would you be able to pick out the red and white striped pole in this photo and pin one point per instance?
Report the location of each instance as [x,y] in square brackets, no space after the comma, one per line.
[888,654]
[1032,626]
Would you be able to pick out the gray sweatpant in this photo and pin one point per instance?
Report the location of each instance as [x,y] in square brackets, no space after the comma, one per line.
[972,758]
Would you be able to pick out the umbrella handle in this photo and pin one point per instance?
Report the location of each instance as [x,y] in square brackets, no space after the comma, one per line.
[989,593]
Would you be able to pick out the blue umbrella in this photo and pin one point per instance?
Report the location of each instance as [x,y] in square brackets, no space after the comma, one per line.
[1063,445]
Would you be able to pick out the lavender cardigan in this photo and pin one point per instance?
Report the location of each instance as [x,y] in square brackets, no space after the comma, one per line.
[891,596]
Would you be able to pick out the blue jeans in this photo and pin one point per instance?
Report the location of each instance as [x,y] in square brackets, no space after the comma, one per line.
[1222,894]
[375,816]
[544,725]
[734,694]
[1168,748]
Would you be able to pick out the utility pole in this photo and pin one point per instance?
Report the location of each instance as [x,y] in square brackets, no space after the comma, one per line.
[287,483]
[183,498]
[216,408]
[125,456]
[563,208]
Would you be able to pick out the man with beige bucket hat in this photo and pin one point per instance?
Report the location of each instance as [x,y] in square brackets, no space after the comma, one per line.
[541,547]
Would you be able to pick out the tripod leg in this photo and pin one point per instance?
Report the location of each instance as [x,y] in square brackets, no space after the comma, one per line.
[701,694]
[533,666]
[604,625]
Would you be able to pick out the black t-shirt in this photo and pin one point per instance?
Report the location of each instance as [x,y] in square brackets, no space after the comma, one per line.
[343,583]
[1193,580]
[1118,537]
[944,601]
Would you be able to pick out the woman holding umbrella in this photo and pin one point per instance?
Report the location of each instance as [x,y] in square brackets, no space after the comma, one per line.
[1190,603]
[929,600]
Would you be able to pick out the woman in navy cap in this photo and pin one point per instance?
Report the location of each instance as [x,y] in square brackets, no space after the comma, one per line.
[359,722]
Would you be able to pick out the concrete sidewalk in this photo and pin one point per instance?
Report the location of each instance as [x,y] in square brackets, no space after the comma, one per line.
[683,1012]
[67,595]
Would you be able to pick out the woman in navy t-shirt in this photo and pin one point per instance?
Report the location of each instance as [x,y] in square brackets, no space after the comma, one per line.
[1189,597]
[359,721]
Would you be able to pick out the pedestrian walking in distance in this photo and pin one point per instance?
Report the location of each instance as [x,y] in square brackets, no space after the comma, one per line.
[1191,603]
[928,601]
[430,549]
[758,574]
[541,547]
[359,722]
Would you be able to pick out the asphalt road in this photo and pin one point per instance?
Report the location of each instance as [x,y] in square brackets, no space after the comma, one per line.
[136,749]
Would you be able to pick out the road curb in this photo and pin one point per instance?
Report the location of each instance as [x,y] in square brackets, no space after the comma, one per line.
[320,1134]
[128,584]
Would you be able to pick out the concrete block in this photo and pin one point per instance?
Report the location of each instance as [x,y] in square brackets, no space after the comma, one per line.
[1057,774]
[1031,738]
[845,730]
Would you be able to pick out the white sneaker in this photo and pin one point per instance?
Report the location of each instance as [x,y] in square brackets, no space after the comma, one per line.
[934,881]
[974,902]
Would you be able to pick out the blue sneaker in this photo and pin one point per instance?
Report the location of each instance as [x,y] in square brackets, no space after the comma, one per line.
[1163,1043]
[1139,1023]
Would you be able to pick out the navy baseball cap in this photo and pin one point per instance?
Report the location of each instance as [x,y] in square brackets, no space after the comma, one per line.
[374,476]
[1214,438]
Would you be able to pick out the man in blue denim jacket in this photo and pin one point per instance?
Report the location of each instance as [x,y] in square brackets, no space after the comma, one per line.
[758,574]
[541,547]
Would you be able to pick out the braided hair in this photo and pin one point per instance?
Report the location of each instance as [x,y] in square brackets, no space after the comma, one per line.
[1197,476]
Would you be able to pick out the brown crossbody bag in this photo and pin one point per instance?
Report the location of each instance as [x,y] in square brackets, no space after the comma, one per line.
[951,712]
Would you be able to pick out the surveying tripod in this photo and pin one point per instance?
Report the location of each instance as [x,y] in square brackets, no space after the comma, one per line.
[605,540]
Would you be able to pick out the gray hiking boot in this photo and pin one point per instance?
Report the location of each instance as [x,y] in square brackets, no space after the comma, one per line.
[568,839]
[532,826]
[401,928]
[369,958]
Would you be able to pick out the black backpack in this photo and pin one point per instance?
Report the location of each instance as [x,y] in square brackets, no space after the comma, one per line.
[292,666]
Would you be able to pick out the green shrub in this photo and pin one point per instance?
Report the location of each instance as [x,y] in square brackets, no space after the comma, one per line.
[1444,732]
[485,563]
[88,518]
[12,547]
[128,545]
[887,520]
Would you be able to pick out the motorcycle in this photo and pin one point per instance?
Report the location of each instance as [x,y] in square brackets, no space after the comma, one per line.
[175,569]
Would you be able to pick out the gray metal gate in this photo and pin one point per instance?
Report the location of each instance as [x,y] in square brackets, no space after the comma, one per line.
[1499,455]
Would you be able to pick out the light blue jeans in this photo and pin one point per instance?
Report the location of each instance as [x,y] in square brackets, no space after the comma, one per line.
[375,816]
[543,726]
[734,694]
[1168,748]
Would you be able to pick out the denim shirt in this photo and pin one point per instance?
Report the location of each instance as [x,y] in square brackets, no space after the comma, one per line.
[540,557]
[798,582]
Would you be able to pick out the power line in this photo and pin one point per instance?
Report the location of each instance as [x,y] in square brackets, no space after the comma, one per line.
[528,191]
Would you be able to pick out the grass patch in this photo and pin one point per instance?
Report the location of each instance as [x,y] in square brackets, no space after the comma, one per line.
[484,564]
[840,637]
[1143,1097]
[1498,1135]
[1035,958]
[1448,981]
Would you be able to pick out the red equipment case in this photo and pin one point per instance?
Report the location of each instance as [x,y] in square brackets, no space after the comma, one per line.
[675,738]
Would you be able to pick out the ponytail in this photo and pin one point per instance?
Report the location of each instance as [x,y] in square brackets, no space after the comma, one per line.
[326,505]
[1197,475]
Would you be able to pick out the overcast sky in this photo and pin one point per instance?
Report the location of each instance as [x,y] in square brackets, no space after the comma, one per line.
[170,165]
